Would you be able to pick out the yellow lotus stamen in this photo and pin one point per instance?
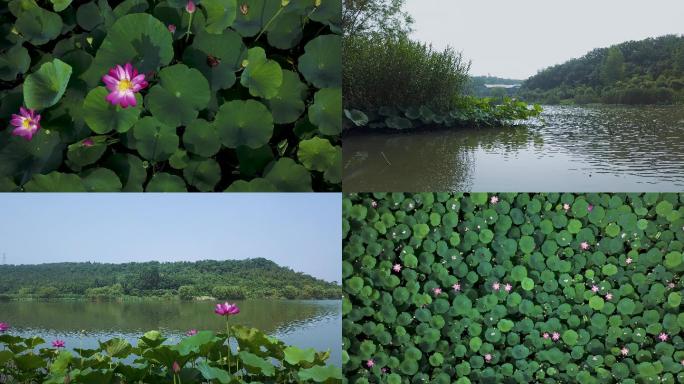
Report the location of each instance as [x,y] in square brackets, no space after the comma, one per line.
[124,85]
[26,123]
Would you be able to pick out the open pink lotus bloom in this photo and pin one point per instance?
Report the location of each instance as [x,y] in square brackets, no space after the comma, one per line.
[624,351]
[374,204]
[437,291]
[226,309]
[566,206]
[4,327]
[545,335]
[663,336]
[494,199]
[58,344]
[123,83]
[629,260]
[590,208]
[191,332]
[370,363]
[555,336]
[456,287]
[26,123]
[488,357]
[594,288]
[609,296]
[508,287]
[496,286]
[396,268]
[584,245]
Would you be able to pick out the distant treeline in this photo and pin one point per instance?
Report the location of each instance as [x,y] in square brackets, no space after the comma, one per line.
[649,71]
[229,279]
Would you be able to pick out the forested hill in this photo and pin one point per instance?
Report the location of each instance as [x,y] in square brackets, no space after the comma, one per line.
[236,279]
[635,72]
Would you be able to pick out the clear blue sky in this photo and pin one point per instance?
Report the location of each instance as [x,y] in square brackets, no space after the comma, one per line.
[301,231]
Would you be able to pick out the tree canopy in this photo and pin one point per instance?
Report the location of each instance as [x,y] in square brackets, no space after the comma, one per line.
[227,279]
[384,17]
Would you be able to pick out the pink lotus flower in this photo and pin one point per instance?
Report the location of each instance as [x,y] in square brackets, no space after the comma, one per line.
[584,245]
[370,363]
[494,199]
[555,336]
[590,208]
[26,123]
[671,285]
[609,296]
[545,335]
[58,344]
[508,287]
[88,142]
[397,268]
[663,336]
[190,6]
[383,370]
[594,288]
[566,206]
[374,204]
[172,28]
[624,351]
[488,357]
[123,83]
[176,368]
[456,287]
[191,332]
[4,327]
[437,291]
[226,309]
[496,286]
[628,260]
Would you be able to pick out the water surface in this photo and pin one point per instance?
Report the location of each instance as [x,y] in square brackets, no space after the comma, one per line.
[571,148]
[306,324]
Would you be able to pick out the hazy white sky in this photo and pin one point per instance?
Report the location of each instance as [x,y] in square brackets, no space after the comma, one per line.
[515,39]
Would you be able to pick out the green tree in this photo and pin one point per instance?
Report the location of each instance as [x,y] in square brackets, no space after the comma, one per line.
[225,292]
[48,292]
[384,17]
[614,66]
[149,278]
[187,292]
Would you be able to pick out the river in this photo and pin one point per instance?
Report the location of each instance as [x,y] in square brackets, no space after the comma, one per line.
[306,324]
[571,148]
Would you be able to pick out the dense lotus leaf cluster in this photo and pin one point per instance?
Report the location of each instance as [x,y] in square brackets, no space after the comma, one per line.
[238,95]
[513,288]
[202,357]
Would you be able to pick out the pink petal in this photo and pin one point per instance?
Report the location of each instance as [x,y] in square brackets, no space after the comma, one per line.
[129,70]
[120,73]
[109,81]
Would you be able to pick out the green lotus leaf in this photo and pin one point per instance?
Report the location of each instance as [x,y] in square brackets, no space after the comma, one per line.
[294,355]
[262,76]
[101,180]
[103,117]
[88,16]
[596,303]
[139,39]
[674,299]
[254,14]
[38,26]
[288,104]
[164,182]
[518,273]
[181,94]
[218,57]
[317,154]
[80,155]
[13,62]
[527,284]
[19,159]
[203,174]
[253,361]
[357,117]
[334,173]
[220,14]
[673,260]
[254,185]
[288,176]
[626,306]
[180,159]
[60,5]
[201,138]
[130,169]
[213,374]
[286,31]
[45,87]
[396,122]
[326,111]
[526,244]
[320,374]
[327,12]
[253,161]
[321,65]
[570,337]
[154,140]
[55,182]
[244,122]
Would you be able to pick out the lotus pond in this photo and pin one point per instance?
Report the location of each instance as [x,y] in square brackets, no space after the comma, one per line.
[513,288]
[175,95]
[105,340]
[588,148]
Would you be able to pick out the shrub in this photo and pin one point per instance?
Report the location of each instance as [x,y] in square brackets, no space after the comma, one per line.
[225,292]
[513,287]
[48,292]
[187,292]
[239,96]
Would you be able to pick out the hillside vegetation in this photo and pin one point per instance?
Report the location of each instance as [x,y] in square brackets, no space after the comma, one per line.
[228,279]
[649,71]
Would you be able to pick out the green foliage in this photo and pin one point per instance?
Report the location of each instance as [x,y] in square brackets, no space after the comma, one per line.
[206,357]
[229,279]
[649,71]
[233,90]
[416,334]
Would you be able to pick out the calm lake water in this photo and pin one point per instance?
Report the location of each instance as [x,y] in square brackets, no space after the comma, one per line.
[572,148]
[306,324]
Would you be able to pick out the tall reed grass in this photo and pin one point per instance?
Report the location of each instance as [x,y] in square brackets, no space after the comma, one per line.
[396,71]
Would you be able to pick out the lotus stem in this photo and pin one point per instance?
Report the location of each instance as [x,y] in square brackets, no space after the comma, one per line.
[187,34]
[269,22]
